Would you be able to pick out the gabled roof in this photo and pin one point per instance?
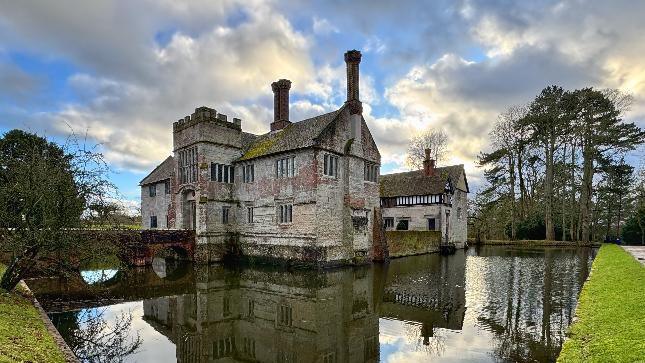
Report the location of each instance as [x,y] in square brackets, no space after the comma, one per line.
[297,135]
[416,183]
[162,172]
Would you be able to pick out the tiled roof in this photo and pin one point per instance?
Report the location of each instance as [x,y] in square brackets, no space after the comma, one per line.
[416,183]
[295,136]
[162,172]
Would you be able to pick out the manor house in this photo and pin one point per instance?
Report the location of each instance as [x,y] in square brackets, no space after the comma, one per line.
[431,199]
[306,190]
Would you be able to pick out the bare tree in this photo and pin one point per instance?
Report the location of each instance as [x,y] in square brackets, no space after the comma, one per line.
[434,139]
[94,338]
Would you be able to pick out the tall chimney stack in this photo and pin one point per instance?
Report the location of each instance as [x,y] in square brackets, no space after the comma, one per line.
[428,164]
[353,59]
[280,104]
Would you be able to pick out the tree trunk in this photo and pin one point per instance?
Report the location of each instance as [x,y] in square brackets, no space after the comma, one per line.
[511,171]
[564,193]
[586,190]
[18,267]
[608,229]
[548,190]
[620,210]
[573,192]
[520,175]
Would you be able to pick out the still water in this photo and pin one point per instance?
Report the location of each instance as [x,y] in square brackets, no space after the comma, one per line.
[486,304]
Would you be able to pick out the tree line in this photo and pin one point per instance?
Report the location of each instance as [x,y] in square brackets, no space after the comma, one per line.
[557,170]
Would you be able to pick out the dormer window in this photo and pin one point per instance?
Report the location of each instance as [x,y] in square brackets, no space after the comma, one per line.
[448,187]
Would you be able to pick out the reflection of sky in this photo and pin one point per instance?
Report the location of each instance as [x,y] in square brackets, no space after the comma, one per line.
[155,346]
[96,276]
[401,341]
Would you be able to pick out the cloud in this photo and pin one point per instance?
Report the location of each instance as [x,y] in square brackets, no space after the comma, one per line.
[374,45]
[138,66]
[322,26]
[227,67]
[17,85]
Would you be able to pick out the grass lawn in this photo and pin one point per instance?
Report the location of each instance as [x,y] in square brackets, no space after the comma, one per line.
[610,312]
[23,336]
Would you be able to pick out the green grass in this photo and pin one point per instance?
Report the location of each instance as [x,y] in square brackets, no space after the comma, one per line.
[610,324]
[23,336]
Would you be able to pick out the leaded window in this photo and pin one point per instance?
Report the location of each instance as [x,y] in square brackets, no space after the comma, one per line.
[285,212]
[188,165]
[248,173]
[330,165]
[370,172]
[285,167]
[222,173]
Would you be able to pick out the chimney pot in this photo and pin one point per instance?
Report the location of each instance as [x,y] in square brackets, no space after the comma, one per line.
[353,59]
[280,104]
[429,164]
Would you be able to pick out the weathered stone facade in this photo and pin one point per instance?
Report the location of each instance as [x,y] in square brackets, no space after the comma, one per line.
[296,193]
[434,199]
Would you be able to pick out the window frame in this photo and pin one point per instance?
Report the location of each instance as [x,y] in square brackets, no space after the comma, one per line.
[285,213]
[248,173]
[285,167]
[370,172]
[226,214]
[152,190]
[250,215]
[387,225]
[330,165]
[222,173]
[154,225]
[166,185]
[187,165]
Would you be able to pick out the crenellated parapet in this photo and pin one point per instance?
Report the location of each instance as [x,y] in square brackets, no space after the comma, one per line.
[205,114]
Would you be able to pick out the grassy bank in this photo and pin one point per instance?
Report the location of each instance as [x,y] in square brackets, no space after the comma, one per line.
[23,336]
[610,324]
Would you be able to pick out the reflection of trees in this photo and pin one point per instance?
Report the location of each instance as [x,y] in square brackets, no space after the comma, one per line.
[95,338]
[533,302]
[426,338]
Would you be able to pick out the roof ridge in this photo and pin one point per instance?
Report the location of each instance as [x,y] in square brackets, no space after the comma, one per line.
[155,169]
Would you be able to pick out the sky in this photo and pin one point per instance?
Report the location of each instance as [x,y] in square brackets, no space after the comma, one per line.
[118,73]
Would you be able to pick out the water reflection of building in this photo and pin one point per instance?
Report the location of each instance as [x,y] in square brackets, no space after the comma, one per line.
[427,289]
[270,316]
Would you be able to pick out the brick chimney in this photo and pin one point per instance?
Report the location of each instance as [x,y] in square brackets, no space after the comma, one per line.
[353,59]
[428,165]
[280,104]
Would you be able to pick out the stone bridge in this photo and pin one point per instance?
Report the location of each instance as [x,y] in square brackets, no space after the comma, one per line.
[140,249]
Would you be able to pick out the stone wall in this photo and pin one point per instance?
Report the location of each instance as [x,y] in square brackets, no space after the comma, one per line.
[406,243]
[155,206]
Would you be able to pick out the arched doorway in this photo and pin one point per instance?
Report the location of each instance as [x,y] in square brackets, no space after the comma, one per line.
[189,211]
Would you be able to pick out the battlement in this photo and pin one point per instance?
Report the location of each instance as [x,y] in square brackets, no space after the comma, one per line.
[205,114]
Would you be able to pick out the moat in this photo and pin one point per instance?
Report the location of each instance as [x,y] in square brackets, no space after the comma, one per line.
[485,304]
